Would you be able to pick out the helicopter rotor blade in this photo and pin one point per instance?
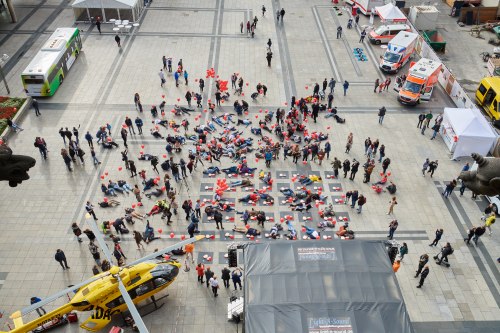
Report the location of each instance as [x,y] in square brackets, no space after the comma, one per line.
[167,249]
[53,297]
[131,307]
[100,240]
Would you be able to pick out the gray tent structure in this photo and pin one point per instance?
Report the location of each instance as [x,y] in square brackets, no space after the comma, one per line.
[322,286]
[130,10]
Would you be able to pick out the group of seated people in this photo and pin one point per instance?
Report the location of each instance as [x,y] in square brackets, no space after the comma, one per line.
[344,231]
[256,196]
[121,186]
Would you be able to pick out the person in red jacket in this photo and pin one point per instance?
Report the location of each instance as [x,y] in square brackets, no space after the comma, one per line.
[200,269]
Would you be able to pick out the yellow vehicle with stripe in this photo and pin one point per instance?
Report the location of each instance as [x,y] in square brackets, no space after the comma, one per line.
[488,96]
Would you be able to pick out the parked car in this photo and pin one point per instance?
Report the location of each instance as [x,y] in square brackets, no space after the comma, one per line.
[495,200]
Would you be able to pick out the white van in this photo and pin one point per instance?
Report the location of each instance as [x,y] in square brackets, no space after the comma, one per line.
[385,33]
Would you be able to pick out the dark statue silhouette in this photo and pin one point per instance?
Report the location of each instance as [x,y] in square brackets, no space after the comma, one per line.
[486,179]
[14,168]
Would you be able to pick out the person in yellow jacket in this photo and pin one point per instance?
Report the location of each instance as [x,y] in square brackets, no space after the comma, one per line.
[489,221]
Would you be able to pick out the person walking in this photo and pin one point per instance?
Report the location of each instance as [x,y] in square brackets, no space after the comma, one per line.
[428,118]
[361,202]
[425,166]
[396,266]
[218,219]
[478,233]
[189,248]
[392,203]
[164,61]
[470,234]
[200,271]
[226,276]
[66,159]
[130,125]
[138,240]
[346,86]
[60,257]
[124,134]
[236,277]
[381,114]
[421,118]
[89,139]
[282,14]
[90,210]
[188,97]
[76,231]
[377,83]
[269,56]
[437,238]
[241,26]
[432,167]
[118,41]
[94,251]
[139,123]
[354,169]
[186,75]
[392,228]
[490,221]
[36,107]
[162,77]
[424,259]
[263,11]
[208,275]
[40,310]
[403,250]
[269,44]
[214,284]
[449,188]
[339,32]
[132,168]
[268,157]
[98,25]
[362,36]
[331,85]
[423,276]
[435,128]
[350,139]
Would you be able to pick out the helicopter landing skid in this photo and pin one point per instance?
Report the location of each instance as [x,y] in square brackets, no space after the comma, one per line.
[154,302]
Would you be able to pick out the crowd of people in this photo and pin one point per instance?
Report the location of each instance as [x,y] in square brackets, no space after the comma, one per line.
[212,140]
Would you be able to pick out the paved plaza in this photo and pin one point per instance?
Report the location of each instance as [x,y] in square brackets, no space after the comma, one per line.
[99,89]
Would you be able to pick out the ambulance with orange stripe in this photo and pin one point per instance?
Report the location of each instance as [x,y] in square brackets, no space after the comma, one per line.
[420,82]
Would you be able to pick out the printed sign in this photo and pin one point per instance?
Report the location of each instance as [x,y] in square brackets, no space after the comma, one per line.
[316,253]
[330,325]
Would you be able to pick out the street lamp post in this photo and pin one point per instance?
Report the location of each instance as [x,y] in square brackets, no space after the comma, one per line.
[3,60]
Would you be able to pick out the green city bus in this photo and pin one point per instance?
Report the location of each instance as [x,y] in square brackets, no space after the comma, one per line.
[47,70]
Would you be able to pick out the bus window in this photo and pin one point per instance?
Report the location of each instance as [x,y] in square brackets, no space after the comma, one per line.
[482,89]
[490,96]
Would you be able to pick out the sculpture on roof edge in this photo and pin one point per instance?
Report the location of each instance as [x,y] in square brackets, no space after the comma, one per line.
[14,168]
[486,179]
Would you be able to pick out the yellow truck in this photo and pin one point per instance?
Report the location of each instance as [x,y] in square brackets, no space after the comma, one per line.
[488,96]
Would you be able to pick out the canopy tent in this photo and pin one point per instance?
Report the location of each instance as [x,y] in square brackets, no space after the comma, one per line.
[466,131]
[322,286]
[390,14]
[130,10]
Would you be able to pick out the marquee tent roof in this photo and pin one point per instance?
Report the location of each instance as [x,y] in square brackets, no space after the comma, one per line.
[474,133]
[322,286]
[104,3]
[390,13]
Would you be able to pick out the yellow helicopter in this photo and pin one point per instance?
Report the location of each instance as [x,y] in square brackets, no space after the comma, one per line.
[111,292]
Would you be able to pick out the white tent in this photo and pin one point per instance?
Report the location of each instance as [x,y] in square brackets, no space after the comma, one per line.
[466,131]
[130,10]
[390,14]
